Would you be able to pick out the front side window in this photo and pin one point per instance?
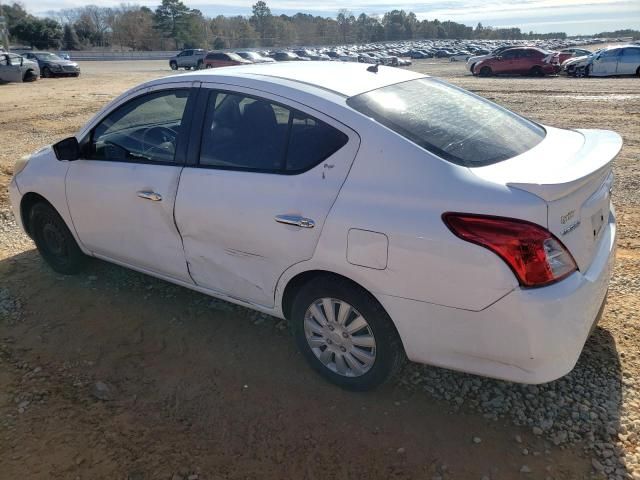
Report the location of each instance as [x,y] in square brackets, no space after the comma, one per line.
[609,53]
[144,129]
[451,123]
[247,133]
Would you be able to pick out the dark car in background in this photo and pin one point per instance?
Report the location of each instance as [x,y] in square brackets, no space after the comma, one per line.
[522,61]
[255,57]
[51,65]
[224,59]
[288,57]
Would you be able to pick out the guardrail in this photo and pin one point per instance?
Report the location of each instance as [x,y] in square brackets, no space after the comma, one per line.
[85,55]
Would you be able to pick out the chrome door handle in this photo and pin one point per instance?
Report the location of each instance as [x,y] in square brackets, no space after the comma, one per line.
[153,196]
[295,220]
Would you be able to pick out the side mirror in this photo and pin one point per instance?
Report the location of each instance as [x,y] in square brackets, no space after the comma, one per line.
[67,149]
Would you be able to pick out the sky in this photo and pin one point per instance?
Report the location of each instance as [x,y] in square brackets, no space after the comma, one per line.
[574,17]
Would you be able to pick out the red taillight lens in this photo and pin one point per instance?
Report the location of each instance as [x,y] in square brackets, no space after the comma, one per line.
[535,255]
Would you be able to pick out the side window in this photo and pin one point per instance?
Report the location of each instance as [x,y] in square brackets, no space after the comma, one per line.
[242,132]
[609,53]
[311,142]
[144,129]
[510,54]
[631,52]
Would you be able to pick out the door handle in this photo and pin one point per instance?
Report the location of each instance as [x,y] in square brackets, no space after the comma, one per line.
[295,220]
[153,196]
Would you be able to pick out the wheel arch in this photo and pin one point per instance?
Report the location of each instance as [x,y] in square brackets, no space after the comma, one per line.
[26,204]
[296,282]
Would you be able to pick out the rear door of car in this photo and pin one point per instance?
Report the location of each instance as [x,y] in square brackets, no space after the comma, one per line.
[628,61]
[253,197]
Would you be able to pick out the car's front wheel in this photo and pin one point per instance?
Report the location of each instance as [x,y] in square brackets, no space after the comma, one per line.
[54,240]
[345,334]
[485,72]
[173,65]
[46,72]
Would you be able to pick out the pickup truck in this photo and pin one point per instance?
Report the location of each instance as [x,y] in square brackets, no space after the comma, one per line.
[188,59]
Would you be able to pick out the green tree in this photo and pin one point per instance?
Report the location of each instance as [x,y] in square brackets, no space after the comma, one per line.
[172,21]
[262,19]
[70,38]
[38,33]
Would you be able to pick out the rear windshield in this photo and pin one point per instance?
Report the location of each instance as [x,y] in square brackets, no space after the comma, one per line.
[456,125]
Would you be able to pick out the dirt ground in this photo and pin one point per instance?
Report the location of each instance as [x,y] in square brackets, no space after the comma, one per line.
[198,388]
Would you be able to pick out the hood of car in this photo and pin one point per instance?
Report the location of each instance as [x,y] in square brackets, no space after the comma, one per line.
[577,60]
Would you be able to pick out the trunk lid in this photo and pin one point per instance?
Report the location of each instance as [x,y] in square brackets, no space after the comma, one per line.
[571,170]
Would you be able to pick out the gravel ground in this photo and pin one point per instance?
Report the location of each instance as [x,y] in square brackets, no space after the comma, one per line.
[588,421]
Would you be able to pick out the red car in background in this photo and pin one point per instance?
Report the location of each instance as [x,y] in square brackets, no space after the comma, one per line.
[523,61]
[222,59]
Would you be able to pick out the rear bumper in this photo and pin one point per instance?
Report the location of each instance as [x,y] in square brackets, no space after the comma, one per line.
[528,336]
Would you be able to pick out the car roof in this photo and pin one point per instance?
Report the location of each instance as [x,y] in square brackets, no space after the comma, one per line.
[344,78]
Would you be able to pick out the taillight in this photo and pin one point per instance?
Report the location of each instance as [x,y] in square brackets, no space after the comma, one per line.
[534,254]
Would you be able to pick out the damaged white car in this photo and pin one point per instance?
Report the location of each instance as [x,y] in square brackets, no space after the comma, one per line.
[384,213]
[15,68]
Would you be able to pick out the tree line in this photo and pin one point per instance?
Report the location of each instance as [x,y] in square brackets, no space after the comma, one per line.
[173,25]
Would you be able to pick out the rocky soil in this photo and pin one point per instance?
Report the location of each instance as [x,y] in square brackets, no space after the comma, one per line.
[112,374]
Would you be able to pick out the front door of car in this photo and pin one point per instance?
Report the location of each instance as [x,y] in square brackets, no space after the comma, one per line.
[505,62]
[184,58]
[262,179]
[10,70]
[122,192]
[606,63]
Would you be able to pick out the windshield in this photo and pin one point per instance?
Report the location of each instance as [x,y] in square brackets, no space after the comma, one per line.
[47,56]
[452,123]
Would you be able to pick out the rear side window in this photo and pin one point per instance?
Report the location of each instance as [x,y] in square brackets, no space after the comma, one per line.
[451,123]
[247,133]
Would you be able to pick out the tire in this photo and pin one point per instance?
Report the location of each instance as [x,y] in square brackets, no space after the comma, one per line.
[638,72]
[209,65]
[46,73]
[54,240]
[187,68]
[173,65]
[200,63]
[473,65]
[536,72]
[30,76]
[384,354]
[485,72]
[587,70]
[76,75]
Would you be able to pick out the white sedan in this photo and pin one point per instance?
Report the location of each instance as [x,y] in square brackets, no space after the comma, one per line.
[384,213]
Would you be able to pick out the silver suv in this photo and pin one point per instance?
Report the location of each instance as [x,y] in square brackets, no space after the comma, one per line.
[188,59]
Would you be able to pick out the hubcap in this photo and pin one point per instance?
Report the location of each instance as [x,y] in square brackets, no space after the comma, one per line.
[340,337]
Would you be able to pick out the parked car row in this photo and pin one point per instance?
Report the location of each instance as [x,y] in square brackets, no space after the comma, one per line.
[28,66]
[579,62]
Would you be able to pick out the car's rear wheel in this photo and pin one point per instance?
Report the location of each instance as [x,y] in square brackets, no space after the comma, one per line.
[46,72]
[173,65]
[345,334]
[536,71]
[485,72]
[54,240]
[209,65]
[199,67]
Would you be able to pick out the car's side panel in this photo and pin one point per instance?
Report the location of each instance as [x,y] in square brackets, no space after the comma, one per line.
[404,199]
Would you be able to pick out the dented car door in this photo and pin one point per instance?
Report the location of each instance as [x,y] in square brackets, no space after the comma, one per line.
[262,179]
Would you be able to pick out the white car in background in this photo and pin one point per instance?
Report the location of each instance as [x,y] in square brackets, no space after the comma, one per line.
[460,57]
[624,60]
[384,213]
